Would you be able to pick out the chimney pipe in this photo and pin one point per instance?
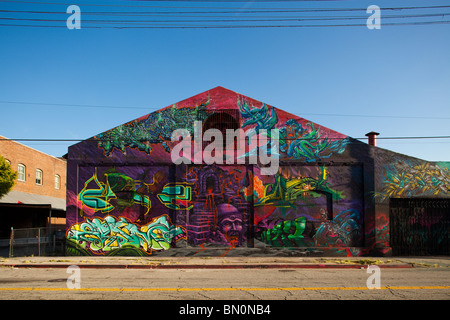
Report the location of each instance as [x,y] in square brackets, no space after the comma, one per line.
[372,138]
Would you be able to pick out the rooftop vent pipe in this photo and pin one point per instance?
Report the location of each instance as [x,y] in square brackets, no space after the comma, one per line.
[372,138]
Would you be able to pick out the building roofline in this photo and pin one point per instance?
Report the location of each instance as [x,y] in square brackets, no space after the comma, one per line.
[49,155]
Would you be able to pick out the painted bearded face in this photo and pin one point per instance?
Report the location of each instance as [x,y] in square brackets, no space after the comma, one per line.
[231,225]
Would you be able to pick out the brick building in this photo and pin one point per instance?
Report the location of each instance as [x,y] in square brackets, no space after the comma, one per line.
[38,199]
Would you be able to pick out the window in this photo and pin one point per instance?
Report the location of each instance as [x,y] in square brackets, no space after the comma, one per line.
[221,121]
[21,172]
[39,175]
[57,182]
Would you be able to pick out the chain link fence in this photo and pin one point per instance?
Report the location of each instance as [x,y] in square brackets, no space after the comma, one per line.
[36,242]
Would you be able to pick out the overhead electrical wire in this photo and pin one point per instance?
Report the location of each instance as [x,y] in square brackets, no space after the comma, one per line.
[159,141]
[236,10]
[240,9]
[153,108]
[188,1]
[245,15]
[138,6]
[242,18]
[235,20]
[230,26]
[74,105]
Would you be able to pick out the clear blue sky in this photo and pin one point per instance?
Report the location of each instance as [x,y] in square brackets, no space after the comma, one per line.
[395,80]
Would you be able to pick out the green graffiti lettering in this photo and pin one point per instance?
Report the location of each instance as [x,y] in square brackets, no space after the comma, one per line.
[116,185]
[109,234]
[176,196]
[286,233]
[97,199]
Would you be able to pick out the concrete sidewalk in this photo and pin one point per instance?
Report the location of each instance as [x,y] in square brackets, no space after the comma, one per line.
[224,262]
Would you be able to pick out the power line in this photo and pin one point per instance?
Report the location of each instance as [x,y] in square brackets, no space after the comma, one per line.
[409,138]
[159,141]
[231,27]
[230,20]
[244,21]
[154,108]
[75,105]
[234,0]
[141,6]
[189,1]
[239,10]
[375,116]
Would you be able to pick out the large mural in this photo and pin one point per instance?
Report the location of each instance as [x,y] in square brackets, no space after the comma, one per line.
[133,207]
[124,208]
[125,196]
[307,206]
[130,199]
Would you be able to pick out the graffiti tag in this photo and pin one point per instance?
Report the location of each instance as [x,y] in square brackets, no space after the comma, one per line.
[176,196]
[110,234]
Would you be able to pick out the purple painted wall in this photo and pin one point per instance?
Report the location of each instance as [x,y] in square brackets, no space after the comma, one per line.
[329,195]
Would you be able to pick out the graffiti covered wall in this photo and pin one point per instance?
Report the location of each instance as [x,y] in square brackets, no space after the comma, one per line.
[411,197]
[308,206]
[118,209]
[125,195]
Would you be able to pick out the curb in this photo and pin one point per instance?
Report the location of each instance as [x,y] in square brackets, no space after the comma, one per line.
[212,266]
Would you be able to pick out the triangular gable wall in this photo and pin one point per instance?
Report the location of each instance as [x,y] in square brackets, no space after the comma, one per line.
[300,139]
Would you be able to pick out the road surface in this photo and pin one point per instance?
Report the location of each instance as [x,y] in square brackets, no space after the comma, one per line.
[224,284]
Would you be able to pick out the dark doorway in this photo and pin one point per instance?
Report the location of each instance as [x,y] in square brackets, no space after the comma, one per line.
[419,226]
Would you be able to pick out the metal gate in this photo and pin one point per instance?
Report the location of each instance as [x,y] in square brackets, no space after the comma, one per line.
[419,226]
[46,241]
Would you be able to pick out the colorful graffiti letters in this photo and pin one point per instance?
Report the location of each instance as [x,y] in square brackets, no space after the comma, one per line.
[406,180]
[287,189]
[97,199]
[110,234]
[286,233]
[117,186]
[176,196]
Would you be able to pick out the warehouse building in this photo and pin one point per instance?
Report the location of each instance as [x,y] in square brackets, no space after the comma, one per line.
[223,174]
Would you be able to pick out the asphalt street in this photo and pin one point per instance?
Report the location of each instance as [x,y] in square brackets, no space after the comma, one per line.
[225,284]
